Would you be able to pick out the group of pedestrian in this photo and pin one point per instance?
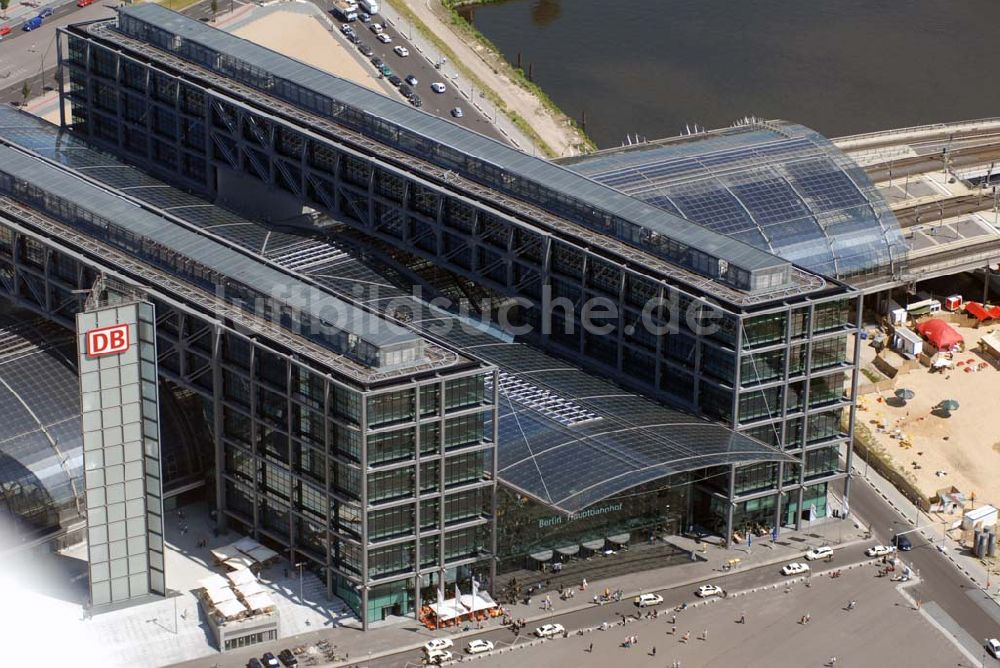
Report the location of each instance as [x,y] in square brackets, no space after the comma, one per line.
[805,619]
[631,641]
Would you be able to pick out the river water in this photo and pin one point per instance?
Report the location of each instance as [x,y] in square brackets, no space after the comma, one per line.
[650,67]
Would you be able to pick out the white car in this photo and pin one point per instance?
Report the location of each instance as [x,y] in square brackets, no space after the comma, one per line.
[479,646]
[993,647]
[647,600]
[384,37]
[705,591]
[438,645]
[795,568]
[438,87]
[439,656]
[402,51]
[549,630]
[880,550]
[819,553]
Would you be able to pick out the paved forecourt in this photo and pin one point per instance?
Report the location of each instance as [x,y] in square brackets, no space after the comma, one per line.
[884,628]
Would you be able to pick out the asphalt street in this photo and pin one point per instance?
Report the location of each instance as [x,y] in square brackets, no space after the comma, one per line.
[439,104]
[941,581]
[32,55]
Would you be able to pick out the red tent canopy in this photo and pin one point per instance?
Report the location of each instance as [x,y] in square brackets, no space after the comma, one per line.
[941,335]
[977,311]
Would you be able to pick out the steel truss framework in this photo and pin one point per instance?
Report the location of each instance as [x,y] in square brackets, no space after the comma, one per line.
[228,358]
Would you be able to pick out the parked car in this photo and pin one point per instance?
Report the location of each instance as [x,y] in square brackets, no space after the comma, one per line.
[406,91]
[412,80]
[648,600]
[384,38]
[45,13]
[993,647]
[705,591]
[5,30]
[353,38]
[377,62]
[254,663]
[416,101]
[821,552]
[479,646]
[365,50]
[457,112]
[549,630]
[287,658]
[438,87]
[270,661]
[84,3]
[903,543]
[880,550]
[438,644]
[395,80]
[401,51]
[386,71]
[795,568]
[437,657]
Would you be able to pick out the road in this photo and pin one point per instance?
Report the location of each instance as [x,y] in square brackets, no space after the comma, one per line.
[32,55]
[439,104]
[941,581]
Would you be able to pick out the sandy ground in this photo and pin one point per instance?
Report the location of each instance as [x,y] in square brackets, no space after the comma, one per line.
[306,39]
[965,446]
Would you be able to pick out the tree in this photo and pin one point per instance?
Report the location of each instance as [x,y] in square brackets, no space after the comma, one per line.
[25,92]
[215,8]
[4,4]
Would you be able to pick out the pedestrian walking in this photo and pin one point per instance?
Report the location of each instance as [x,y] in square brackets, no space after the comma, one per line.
[833,661]
[850,606]
[808,618]
[590,649]
[673,630]
[743,618]
[686,636]
[654,650]
[583,584]
[704,635]
[673,619]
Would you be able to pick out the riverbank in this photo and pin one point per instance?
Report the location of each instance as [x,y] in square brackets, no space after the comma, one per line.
[552,132]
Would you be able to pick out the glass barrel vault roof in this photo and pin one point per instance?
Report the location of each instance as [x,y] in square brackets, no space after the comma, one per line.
[41,448]
[567,437]
[775,185]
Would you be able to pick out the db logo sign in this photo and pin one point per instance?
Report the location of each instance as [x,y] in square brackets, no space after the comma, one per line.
[107,340]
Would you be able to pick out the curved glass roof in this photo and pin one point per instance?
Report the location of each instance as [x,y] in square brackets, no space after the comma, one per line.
[41,447]
[776,185]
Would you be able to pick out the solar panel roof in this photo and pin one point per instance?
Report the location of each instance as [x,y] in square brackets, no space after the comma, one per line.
[776,185]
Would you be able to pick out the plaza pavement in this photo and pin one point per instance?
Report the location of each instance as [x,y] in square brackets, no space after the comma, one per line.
[388,639]
[885,628]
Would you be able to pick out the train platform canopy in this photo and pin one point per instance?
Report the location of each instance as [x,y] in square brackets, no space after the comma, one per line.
[568,438]
[772,184]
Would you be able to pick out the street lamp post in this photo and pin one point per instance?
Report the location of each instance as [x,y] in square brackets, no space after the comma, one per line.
[300,566]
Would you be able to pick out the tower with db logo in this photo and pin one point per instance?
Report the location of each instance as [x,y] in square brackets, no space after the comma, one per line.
[116,341]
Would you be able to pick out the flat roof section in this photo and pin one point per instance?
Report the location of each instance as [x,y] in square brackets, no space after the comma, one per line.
[594,204]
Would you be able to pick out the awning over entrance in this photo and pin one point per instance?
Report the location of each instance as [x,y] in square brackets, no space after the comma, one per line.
[593,545]
[544,555]
[568,550]
[619,539]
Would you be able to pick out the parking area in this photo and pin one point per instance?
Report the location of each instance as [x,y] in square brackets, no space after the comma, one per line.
[426,74]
